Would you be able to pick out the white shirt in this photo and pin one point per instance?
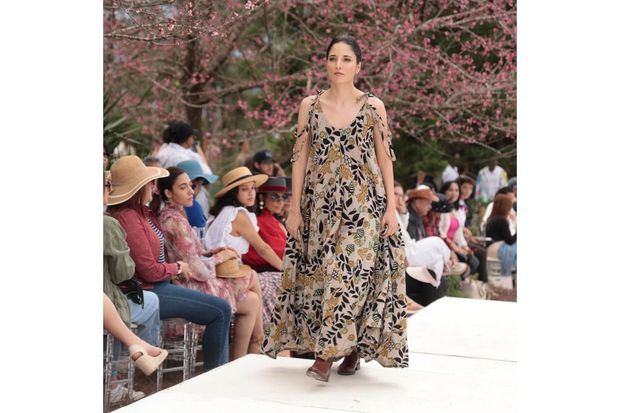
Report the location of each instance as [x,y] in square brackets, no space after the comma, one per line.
[170,154]
[489,182]
[451,173]
[220,227]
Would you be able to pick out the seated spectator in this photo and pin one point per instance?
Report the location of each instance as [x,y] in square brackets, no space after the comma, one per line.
[451,231]
[118,267]
[287,200]
[242,292]
[131,191]
[466,188]
[498,228]
[198,211]
[430,256]
[263,163]
[512,216]
[145,356]
[271,197]
[180,139]
[512,184]
[234,226]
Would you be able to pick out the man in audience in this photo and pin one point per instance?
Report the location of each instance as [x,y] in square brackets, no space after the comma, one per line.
[179,140]
[451,172]
[490,179]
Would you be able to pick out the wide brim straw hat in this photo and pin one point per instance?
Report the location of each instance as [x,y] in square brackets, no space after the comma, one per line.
[129,174]
[240,176]
[232,269]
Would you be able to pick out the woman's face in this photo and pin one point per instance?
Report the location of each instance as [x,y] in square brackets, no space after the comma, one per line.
[182,193]
[148,192]
[247,194]
[341,64]
[274,202]
[452,192]
[466,190]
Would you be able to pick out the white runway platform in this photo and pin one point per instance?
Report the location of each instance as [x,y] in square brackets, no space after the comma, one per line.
[462,359]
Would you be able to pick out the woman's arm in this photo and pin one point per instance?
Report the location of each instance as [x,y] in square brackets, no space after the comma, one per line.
[299,162]
[242,225]
[147,266]
[116,251]
[385,156]
[179,238]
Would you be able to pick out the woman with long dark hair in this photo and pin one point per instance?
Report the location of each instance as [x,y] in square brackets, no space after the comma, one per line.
[241,290]
[343,287]
[234,225]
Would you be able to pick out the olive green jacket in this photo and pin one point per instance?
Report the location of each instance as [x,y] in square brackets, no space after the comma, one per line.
[117,265]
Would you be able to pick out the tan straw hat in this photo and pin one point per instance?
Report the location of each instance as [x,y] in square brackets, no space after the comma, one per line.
[231,269]
[240,176]
[129,174]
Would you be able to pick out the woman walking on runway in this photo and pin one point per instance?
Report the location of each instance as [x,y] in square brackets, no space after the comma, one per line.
[343,284]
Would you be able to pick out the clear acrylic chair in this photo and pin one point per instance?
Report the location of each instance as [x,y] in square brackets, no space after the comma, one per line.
[122,365]
[178,336]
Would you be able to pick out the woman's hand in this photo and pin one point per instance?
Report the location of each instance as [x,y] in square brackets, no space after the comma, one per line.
[389,223]
[294,224]
[184,275]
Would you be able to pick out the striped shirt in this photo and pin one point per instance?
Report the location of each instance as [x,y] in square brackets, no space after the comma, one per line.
[162,257]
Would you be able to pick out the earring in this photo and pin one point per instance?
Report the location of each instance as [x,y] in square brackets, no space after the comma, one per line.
[261,204]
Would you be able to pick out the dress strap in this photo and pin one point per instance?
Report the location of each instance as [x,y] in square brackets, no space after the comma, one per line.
[300,139]
[386,134]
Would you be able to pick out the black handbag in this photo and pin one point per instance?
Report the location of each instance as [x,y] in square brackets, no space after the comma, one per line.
[132,288]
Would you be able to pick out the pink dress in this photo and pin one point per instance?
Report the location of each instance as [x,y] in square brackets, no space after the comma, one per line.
[183,245]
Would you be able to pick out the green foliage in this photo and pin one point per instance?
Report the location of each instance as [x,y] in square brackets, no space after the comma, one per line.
[118,128]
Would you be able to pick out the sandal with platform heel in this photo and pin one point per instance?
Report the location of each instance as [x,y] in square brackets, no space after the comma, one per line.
[147,364]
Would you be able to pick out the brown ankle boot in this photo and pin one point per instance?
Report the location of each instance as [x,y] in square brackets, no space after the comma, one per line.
[320,370]
[350,364]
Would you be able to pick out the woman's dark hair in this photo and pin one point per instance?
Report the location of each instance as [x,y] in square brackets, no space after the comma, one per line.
[168,182]
[502,204]
[504,190]
[463,179]
[430,181]
[351,42]
[446,185]
[135,203]
[229,199]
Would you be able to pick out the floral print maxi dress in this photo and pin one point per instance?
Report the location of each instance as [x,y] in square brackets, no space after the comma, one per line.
[343,285]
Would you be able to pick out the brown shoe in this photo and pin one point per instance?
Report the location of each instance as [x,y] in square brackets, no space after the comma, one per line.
[350,364]
[320,370]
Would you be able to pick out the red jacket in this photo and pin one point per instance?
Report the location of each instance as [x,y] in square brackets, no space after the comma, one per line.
[144,247]
[270,230]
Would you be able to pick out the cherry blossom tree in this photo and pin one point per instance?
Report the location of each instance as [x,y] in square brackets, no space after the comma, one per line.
[445,69]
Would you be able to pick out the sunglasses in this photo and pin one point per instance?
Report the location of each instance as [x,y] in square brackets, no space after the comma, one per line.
[278,198]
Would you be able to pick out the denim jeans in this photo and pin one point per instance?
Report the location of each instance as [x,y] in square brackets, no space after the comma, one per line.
[147,320]
[508,257]
[199,308]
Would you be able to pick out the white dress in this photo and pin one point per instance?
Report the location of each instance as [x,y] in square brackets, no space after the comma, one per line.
[219,229]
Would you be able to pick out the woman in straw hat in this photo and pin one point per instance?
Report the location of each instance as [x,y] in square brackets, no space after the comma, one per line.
[236,227]
[242,290]
[132,189]
[343,286]
[271,197]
